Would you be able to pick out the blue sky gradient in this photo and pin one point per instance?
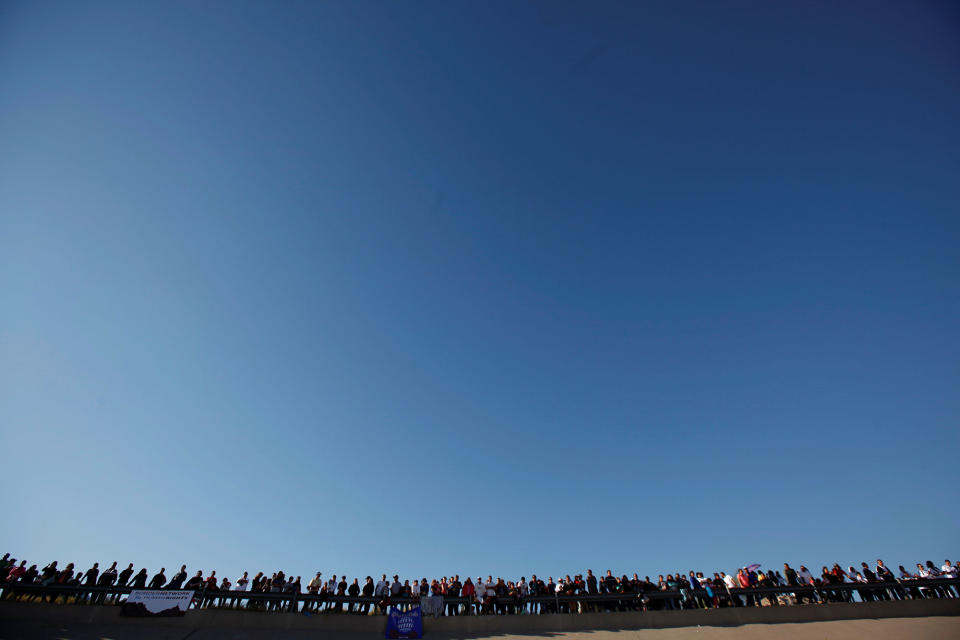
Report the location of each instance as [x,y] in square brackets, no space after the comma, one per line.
[463,287]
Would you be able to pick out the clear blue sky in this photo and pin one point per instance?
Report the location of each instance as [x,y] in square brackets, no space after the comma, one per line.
[479,287]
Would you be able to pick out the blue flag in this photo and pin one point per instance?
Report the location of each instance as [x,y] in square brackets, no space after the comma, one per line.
[404,624]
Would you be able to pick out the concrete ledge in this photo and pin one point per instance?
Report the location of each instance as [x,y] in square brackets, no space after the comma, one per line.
[488,625]
[77,622]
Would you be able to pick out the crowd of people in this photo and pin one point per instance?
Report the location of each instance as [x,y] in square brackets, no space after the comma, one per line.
[749,586]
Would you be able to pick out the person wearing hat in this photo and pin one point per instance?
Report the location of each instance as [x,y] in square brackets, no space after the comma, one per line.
[367,593]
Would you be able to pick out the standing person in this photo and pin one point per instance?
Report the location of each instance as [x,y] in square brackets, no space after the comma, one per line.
[240,585]
[122,579]
[840,577]
[523,590]
[210,591]
[353,591]
[773,581]
[313,589]
[886,576]
[157,581]
[932,573]
[178,578]
[866,595]
[490,595]
[806,579]
[72,582]
[793,581]
[453,591]
[565,587]
[331,591]
[224,590]
[256,586]
[294,588]
[912,591]
[381,591]
[610,582]
[47,577]
[536,590]
[744,579]
[367,592]
[513,598]
[196,584]
[107,578]
[731,583]
[549,589]
[124,576]
[64,578]
[698,601]
[878,594]
[276,588]
[342,592]
[593,590]
[949,571]
[140,580]
[470,594]
[90,579]
[827,578]
[719,589]
[754,583]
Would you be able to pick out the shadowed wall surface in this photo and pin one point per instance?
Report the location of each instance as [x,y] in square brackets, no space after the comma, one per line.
[914,619]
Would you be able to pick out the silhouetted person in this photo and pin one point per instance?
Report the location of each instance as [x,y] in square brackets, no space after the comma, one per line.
[107,578]
[90,579]
[178,579]
[157,581]
[139,580]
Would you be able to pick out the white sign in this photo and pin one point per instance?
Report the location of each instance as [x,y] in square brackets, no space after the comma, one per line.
[158,603]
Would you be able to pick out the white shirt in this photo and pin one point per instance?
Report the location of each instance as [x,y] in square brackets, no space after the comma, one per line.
[948,571]
[241,584]
[331,585]
[522,588]
[730,581]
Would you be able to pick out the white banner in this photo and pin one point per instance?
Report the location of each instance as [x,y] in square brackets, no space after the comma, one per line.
[158,603]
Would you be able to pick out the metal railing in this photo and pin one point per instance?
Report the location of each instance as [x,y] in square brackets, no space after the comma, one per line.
[540,604]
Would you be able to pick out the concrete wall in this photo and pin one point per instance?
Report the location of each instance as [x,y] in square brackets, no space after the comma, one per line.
[75,622]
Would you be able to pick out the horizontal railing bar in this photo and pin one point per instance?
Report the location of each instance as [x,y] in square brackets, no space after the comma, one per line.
[53,589]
